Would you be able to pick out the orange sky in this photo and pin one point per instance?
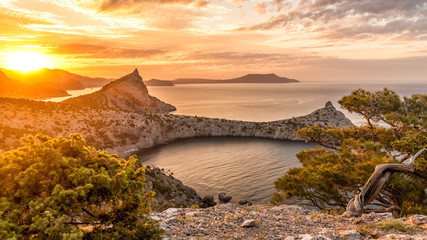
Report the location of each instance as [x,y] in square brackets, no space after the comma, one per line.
[383,40]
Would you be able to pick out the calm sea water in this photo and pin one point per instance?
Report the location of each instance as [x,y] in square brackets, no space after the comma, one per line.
[245,168]
[74,93]
[242,167]
[268,102]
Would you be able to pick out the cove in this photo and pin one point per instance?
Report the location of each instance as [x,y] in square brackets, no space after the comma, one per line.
[245,168]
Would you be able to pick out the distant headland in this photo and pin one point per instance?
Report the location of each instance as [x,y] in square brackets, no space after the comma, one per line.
[249,78]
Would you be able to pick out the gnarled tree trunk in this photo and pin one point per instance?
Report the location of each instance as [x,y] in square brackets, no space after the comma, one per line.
[375,184]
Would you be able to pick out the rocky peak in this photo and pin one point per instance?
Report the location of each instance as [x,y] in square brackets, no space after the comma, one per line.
[329,105]
[127,94]
[135,72]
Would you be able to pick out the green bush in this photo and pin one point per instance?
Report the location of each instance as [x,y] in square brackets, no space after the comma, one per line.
[58,188]
[395,129]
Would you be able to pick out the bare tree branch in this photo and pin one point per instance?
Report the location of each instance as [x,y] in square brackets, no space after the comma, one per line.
[376,183]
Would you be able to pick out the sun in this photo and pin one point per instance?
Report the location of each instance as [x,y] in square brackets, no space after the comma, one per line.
[27,61]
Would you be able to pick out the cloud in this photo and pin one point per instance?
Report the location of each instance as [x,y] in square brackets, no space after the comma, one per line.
[83,50]
[346,18]
[108,5]
[18,16]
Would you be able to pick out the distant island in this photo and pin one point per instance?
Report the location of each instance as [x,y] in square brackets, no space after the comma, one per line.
[157,82]
[249,78]
[44,83]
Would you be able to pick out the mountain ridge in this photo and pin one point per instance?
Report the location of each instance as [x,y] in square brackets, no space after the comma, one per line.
[248,78]
[46,83]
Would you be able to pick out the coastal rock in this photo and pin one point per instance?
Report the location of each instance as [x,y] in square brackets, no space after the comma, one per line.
[223,197]
[245,202]
[208,201]
[190,191]
[170,192]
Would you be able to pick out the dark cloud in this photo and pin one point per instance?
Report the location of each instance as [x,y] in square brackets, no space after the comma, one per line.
[101,51]
[348,18]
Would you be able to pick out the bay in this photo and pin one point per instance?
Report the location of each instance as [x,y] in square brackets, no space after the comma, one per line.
[242,167]
[245,168]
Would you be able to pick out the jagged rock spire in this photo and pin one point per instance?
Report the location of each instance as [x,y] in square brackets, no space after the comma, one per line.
[135,72]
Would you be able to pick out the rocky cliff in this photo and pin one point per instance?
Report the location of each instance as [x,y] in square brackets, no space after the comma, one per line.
[125,94]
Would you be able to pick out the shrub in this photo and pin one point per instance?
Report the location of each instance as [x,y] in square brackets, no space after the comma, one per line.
[55,188]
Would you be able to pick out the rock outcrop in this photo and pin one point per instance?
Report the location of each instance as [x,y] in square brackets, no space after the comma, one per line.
[223,197]
[125,94]
[170,192]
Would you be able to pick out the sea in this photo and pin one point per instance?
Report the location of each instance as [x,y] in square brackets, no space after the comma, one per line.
[246,168]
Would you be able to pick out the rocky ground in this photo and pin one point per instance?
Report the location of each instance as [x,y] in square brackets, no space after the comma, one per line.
[228,221]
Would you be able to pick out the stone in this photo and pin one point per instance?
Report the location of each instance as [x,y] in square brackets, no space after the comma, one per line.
[305,237]
[377,216]
[401,237]
[191,214]
[375,234]
[350,234]
[208,201]
[321,237]
[190,191]
[171,211]
[245,202]
[417,220]
[223,197]
[250,223]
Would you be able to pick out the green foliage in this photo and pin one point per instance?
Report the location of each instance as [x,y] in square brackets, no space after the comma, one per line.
[396,129]
[58,188]
[391,223]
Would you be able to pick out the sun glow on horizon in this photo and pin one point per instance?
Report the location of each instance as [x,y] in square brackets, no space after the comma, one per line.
[27,61]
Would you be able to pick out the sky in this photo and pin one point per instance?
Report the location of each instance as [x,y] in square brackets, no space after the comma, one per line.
[308,40]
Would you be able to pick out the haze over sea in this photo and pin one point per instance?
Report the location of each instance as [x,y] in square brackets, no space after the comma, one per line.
[242,167]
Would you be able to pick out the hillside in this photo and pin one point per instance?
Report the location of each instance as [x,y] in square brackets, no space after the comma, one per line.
[45,83]
[125,94]
[10,87]
[249,78]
